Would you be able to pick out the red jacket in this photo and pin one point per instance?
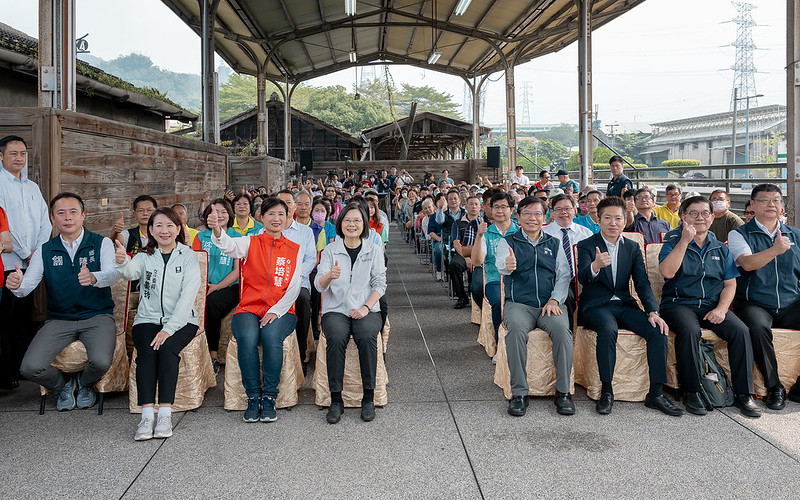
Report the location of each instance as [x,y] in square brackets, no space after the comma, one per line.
[266,273]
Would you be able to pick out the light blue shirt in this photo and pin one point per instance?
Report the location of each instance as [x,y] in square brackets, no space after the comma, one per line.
[304,236]
[28,217]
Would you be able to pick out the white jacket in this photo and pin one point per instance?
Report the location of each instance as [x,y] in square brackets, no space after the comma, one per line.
[166,294]
[352,289]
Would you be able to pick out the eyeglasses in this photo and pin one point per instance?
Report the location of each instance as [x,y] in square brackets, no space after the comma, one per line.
[352,221]
[674,194]
[644,198]
[694,213]
[749,212]
[562,210]
[500,207]
[526,213]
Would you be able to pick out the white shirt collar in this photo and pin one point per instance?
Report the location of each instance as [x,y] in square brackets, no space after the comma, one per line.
[612,245]
[764,228]
[75,244]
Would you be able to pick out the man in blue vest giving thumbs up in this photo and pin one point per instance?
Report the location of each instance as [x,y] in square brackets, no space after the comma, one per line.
[78,268]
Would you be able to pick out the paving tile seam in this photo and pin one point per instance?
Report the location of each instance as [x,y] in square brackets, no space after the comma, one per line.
[758,435]
[160,445]
[441,383]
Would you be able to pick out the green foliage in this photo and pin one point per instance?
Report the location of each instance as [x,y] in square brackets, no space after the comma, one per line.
[552,149]
[680,163]
[604,166]
[239,94]
[630,145]
[769,148]
[564,133]
[334,105]
[427,99]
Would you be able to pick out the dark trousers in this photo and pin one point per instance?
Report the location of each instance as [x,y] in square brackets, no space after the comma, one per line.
[492,291]
[457,267]
[571,304]
[476,286]
[98,335]
[302,309]
[338,328]
[158,367]
[686,322]
[218,305]
[316,305]
[15,332]
[607,321]
[760,321]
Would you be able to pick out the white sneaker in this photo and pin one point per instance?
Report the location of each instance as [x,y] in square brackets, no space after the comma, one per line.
[494,359]
[145,430]
[438,276]
[163,427]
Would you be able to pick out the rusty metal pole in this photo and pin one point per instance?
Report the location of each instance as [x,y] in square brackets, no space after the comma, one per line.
[585,91]
[263,125]
[511,120]
[208,16]
[57,54]
[792,111]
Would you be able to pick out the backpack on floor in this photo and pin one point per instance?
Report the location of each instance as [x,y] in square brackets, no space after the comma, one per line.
[715,389]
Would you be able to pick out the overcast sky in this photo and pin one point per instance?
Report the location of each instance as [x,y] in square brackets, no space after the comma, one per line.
[666,59]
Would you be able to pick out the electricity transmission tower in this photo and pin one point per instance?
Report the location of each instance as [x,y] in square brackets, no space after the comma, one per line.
[744,78]
[527,91]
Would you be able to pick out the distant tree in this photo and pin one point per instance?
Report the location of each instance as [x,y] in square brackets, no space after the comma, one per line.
[238,94]
[564,133]
[631,144]
[428,99]
[336,106]
[553,149]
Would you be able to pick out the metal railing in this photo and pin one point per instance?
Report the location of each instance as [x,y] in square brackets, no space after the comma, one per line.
[732,176]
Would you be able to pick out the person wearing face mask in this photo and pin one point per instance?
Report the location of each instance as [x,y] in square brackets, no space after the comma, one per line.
[166,320]
[725,221]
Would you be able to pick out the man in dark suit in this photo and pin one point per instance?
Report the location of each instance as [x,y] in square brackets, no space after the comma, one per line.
[606,263]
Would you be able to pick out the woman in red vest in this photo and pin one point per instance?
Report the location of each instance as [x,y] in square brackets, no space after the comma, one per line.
[269,287]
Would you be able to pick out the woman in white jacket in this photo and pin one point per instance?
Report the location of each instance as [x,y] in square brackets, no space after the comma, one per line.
[166,321]
[351,278]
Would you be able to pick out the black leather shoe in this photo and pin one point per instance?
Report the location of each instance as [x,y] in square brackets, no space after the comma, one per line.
[694,403]
[776,398]
[663,404]
[335,413]
[461,304]
[368,411]
[746,405]
[794,393]
[517,405]
[603,406]
[564,404]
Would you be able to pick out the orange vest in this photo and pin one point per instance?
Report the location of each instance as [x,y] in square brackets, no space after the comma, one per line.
[266,273]
[377,226]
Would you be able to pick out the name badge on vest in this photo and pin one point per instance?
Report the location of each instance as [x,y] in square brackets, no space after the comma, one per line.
[91,256]
[177,269]
[548,251]
[58,260]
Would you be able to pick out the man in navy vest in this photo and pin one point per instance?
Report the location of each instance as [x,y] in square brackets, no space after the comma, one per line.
[767,292]
[536,277]
[700,282]
[78,268]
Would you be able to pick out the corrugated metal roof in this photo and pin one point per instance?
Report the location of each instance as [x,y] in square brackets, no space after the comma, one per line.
[309,38]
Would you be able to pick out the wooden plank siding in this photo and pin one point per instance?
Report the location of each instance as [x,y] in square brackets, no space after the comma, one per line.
[109,163]
[259,171]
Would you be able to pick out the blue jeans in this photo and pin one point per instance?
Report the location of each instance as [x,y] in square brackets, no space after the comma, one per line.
[492,291]
[437,256]
[246,330]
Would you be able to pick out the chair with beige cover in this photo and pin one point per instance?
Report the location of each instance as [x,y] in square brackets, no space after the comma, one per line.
[786,342]
[631,376]
[195,372]
[73,359]
[475,317]
[225,336]
[292,378]
[352,390]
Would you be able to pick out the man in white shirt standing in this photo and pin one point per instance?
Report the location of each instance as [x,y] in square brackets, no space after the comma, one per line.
[29,224]
[519,177]
[568,233]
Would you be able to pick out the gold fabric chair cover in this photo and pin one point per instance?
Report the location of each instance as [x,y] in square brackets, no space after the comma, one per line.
[631,379]
[195,371]
[387,328]
[352,389]
[540,367]
[133,305]
[486,330]
[72,358]
[311,345]
[475,317]
[225,335]
[292,378]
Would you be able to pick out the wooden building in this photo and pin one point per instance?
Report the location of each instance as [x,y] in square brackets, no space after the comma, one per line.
[98,93]
[309,133]
[433,137]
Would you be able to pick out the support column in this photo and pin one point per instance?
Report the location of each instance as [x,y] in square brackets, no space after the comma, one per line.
[511,119]
[263,125]
[208,75]
[287,121]
[585,91]
[793,111]
[475,89]
[57,54]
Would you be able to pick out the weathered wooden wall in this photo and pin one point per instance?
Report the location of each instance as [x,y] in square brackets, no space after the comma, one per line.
[460,170]
[109,163]
[259,171]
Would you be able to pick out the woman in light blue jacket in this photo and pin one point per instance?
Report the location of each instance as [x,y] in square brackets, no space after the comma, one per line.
[166,321]
[351,277]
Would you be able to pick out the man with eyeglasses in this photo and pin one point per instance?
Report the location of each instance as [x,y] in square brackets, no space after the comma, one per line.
[568,233]
[645,220]
[536,279]
[768,290]
[749,213]
[700,282]
[669,210]
[725,221]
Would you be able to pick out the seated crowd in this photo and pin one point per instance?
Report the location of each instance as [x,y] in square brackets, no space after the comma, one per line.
[312,257]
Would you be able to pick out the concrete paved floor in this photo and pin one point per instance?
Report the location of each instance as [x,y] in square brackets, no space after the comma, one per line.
[444,434]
